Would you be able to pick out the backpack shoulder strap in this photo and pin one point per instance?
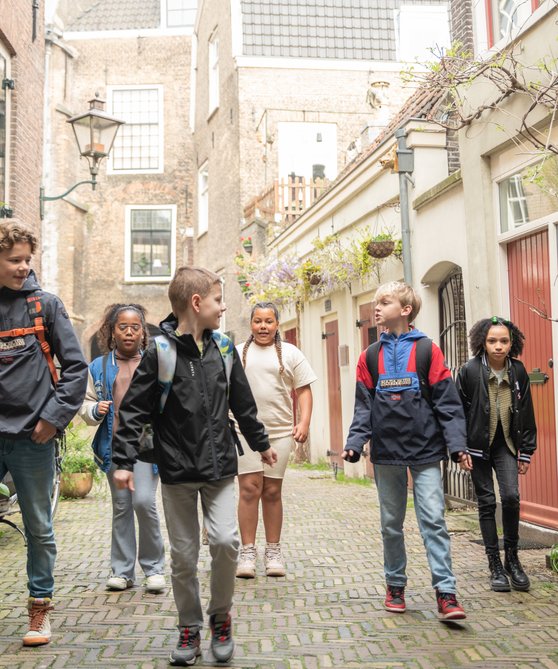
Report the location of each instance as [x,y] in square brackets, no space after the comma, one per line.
[166,364]
[423,353]
[36,310]
[226,349]
[372,355]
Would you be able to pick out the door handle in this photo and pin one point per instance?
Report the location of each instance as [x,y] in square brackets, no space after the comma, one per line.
[536,377]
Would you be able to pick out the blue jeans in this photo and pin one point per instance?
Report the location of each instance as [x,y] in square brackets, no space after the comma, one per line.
[504,463]
[32,468]
[428,493]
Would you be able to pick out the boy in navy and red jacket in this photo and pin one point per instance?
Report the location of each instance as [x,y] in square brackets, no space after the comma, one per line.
[409,429]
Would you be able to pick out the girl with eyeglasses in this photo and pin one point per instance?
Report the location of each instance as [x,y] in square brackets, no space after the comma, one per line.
[501,438]
[124,334]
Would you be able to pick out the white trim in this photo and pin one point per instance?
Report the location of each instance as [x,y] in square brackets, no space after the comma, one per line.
[236,29]
[127,244]
[8,120]
[193,82]
[331,64]
[161,103]
[213,73]
[204,167]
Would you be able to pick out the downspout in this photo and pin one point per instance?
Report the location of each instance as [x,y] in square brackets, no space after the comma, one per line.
[405,166]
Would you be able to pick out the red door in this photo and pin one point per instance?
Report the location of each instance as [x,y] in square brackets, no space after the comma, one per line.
[529,286]
[368,335]
[331,336]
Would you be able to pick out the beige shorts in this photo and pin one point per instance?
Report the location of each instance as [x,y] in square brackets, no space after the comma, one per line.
[251,461]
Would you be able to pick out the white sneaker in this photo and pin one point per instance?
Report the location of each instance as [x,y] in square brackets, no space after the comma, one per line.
[247,562]
[39,622]
[273,559]
[119,583]
[155,583]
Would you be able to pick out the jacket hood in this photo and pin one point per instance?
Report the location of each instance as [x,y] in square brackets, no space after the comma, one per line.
[31,284]
[412,335]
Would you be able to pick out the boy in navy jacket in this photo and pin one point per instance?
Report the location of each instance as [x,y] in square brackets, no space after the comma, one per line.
[408,432]
[35,406]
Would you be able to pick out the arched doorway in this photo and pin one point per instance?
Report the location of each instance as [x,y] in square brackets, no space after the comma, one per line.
[458,484]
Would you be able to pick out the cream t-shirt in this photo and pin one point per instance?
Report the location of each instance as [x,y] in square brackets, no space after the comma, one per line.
[271,390]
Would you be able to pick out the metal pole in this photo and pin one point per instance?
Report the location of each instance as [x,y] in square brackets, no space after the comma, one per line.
[405,168]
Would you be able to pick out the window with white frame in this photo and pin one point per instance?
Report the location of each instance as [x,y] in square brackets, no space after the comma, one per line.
[4,126]
[138,147]
[181,13]
[506,17]
[213,65]
[203,199]
[527,195]
[150,242]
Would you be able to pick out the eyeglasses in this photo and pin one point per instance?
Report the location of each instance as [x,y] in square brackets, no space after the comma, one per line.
[135,327]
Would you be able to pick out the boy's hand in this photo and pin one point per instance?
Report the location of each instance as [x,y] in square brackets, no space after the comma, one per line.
[102,407]
[124,479]
[43,432]
[522,467]
[300,432]
[350,456]
[465,461]
[269,457]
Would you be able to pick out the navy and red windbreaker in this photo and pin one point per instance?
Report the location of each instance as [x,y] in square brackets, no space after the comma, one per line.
[402,426]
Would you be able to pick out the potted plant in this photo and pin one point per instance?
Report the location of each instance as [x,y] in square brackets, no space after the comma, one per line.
[311,273]
[79,469]
[381,246]
[247,244]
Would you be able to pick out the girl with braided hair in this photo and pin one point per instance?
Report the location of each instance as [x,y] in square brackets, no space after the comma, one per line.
[274,369]
[501,437]
[124,334]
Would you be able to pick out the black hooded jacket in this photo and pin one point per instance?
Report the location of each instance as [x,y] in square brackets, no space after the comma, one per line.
[192,437]
[27,392]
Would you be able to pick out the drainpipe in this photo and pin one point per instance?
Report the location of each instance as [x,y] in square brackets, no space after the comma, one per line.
[405,167]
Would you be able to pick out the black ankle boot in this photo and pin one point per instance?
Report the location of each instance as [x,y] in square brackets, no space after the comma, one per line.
[519,579]
[498,579]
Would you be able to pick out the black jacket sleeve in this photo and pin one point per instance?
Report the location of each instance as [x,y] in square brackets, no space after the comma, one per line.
[136,410]
[243,406]
[528,440]
[71,387]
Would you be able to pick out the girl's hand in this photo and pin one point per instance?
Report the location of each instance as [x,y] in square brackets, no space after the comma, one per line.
[103,407]
[300,432]
[522,467]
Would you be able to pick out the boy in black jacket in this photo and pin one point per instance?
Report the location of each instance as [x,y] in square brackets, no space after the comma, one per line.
[195,452]
[35,406]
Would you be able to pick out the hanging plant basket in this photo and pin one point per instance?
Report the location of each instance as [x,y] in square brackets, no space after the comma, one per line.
[381,248]
[314,279]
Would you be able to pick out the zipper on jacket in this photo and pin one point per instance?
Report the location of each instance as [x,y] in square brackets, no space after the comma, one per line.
[208,410]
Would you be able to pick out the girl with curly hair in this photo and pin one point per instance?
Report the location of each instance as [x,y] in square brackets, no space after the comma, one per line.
[501,437]
[124,334]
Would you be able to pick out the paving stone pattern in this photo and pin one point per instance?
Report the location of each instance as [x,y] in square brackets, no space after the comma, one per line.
[327,612]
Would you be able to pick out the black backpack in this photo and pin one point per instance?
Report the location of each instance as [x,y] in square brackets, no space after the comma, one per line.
[423,352]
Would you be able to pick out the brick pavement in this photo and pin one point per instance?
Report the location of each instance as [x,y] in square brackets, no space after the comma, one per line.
[327,612]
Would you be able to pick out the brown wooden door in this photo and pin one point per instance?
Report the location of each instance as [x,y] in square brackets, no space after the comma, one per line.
[529,286]
[334,393]
[368,335]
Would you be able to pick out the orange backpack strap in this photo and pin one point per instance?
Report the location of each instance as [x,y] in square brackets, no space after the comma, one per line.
[36,314]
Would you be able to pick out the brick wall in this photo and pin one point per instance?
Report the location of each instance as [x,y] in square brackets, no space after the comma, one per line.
[87,234]
[26,107]
[461,23]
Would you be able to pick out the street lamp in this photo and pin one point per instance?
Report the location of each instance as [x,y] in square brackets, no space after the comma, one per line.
[95,132]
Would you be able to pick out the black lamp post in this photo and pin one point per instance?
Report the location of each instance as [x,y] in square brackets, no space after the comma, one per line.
[95,132]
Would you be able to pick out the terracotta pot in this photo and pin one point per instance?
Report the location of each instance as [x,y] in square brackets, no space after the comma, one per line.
[75,485]
[381,249]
